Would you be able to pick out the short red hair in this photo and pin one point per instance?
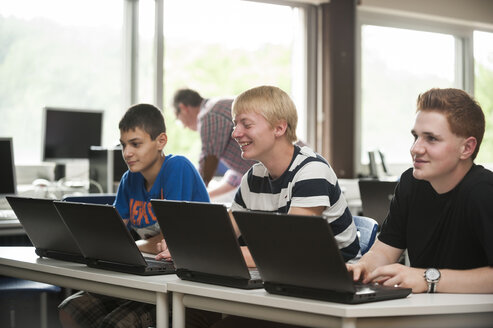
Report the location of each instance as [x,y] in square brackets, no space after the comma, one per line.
[463,113]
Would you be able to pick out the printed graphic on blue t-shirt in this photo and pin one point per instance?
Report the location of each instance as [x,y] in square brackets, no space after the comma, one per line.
[177,180]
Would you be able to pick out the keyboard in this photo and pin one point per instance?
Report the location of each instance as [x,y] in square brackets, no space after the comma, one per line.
[160,263]
[254,274]
[7,215]
[4,204]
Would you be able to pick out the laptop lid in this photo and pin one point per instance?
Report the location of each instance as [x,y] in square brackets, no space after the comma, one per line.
[376,196]
[45,228]
[103,238]
[202,242]
[298,256]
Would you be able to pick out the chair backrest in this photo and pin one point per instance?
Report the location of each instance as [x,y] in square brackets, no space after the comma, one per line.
[367,232]
[92,199]
[376,196]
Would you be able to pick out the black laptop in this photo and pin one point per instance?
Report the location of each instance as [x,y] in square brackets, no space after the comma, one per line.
[105,241]
[45,228]
[203,244]
[375,198]
[319,271]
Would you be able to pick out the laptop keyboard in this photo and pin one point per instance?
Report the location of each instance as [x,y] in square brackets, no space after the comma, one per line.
[254,274]
[367,288]
[159,263]
[4,203]
[7,215]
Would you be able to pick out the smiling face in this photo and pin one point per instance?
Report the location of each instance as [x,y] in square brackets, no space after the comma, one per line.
[141,153]
[255,136]
[438,154]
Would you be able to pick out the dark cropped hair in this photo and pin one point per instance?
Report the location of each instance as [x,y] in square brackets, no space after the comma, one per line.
[147,117]
[187,97]
[464,115]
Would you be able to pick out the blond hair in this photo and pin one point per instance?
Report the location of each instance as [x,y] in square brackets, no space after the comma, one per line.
[272,103]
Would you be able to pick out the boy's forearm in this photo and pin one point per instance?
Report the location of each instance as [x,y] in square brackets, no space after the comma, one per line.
[222,188]
[474,281]
[208,168]
[248,257]
[380,254]
[150,245]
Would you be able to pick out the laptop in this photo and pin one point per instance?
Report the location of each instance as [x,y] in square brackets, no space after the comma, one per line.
[375,198]
[203,244]
[319,271]
[8,185]
[46,229]
[105,241]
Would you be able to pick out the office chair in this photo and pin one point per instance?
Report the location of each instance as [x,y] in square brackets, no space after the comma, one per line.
[376,196]
[17,294]
[91,198]
[367,232]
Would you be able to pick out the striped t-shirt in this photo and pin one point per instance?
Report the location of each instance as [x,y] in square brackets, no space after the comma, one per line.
[308,182]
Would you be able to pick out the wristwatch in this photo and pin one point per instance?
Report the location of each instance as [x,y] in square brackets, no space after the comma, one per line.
[432,276]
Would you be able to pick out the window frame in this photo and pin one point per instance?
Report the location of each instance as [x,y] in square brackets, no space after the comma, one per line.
[307,94]
[462,31]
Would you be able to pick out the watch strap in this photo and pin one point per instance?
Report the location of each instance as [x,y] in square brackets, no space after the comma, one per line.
[432,287]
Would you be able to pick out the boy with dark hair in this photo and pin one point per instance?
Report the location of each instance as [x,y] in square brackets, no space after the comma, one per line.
[442,211]
[151,175]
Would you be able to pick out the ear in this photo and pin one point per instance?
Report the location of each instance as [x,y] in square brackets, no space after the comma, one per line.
[162,140]
[468,147]
[182,107]
[280,128]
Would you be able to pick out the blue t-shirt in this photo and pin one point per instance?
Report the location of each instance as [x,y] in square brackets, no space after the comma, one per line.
[178,179]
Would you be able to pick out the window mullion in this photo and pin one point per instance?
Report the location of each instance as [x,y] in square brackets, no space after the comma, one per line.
[131,43]
[468,62]
[159,54]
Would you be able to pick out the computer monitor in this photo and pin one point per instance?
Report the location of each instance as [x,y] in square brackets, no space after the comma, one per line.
[377,157]
[8,184]
[69,133]
[106,167]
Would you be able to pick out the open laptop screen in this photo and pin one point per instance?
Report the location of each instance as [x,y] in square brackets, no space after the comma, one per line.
[7,167]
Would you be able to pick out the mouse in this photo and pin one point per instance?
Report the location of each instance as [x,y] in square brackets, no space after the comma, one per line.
[41,183]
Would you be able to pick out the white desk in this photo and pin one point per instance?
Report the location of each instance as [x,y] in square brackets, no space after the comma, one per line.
[22,262]
[420,310]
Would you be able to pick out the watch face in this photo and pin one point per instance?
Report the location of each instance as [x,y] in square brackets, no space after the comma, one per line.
[432,274]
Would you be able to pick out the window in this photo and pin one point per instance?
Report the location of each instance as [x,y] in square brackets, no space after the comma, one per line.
[78,54]
[396,66]
[225,52]
[61,54]
[483,82]
[401,57]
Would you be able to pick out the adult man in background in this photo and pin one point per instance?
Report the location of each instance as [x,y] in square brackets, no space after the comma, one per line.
[212,119]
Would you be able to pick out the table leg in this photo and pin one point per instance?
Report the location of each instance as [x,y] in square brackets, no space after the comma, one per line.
[162,310]
[348,322]
[178,311]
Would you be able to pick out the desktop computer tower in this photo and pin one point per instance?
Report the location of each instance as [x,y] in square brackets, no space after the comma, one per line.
[106,167]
